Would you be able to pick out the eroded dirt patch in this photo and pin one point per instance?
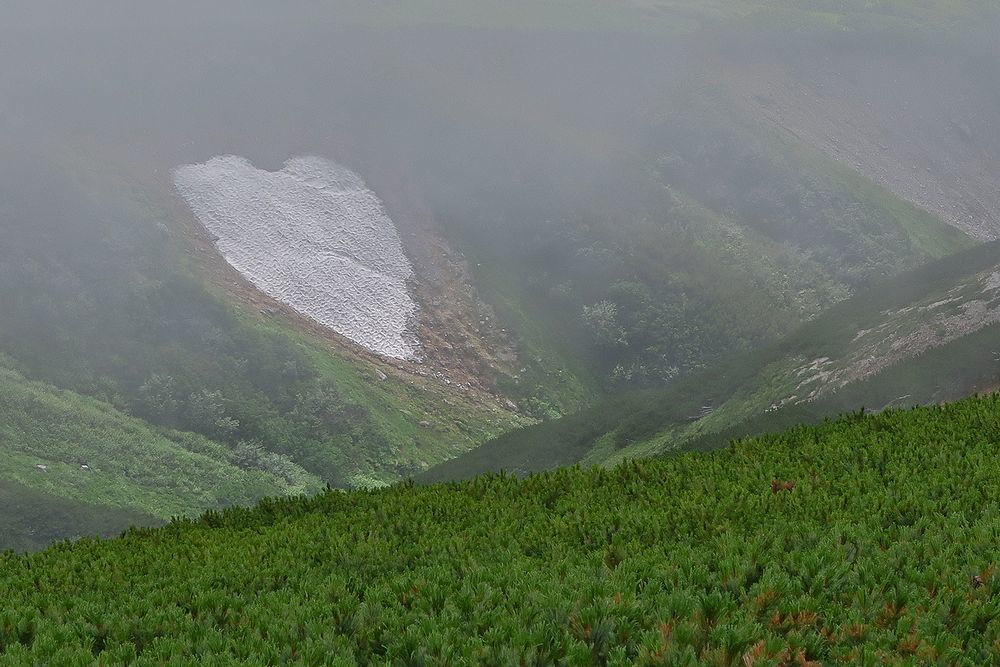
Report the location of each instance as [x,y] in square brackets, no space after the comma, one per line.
[905,333]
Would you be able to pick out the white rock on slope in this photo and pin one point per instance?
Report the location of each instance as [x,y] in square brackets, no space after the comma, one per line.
[314,237]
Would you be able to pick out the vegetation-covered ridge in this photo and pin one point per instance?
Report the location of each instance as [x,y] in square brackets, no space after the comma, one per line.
[85,458]
[868,539]
[927,336]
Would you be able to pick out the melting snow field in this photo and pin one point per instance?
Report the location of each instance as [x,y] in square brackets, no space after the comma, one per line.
[314,237]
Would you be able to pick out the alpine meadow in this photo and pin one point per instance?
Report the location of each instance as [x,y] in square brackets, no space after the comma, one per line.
[535,332]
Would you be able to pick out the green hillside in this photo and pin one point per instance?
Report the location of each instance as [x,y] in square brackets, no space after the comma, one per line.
[31,520]
[67,453]
[927,336]
[117,353]
[865,540]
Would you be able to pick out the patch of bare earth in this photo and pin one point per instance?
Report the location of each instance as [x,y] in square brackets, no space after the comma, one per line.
[461,340]
[905,333]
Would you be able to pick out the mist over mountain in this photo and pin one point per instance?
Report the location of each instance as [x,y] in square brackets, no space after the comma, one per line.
[340,261]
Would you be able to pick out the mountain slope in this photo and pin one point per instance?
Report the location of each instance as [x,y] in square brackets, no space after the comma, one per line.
[31,520]
[120,353]
[864,540]
[103,297]
[64,449]
[580,225]
[591,196]
[925,337]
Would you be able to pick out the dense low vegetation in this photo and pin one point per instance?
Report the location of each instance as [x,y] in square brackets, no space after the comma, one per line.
[865,540]
[74,449]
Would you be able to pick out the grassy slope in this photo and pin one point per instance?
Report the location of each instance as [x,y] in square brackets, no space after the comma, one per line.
[929,237]
[134,470]
[422,420]
[743,387]
[31,519]
[882,552]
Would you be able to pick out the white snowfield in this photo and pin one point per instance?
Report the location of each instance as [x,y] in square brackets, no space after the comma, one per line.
[314,237]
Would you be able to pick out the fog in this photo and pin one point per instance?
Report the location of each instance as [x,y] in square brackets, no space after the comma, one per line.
[251,79]
[547,141]
[563,202]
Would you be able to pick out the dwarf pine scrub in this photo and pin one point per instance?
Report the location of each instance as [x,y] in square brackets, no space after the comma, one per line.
[864,540]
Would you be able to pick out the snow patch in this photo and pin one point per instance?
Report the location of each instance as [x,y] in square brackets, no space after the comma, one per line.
[314,237]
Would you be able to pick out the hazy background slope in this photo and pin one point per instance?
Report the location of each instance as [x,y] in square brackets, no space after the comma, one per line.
[597,198]
[928,336]
[571,179]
